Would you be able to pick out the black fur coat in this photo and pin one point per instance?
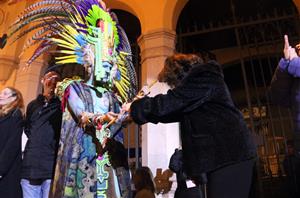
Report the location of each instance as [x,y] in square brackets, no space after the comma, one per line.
[213,131]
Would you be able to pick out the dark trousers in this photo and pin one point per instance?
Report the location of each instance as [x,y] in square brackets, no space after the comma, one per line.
[194,192]
[231,181]
[182,190]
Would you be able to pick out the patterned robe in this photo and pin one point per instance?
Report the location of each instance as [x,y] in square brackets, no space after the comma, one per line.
[79,171]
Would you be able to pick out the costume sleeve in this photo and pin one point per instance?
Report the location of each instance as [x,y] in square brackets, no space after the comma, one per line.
[281,84]
[170,107]
[75,102]
[13,145]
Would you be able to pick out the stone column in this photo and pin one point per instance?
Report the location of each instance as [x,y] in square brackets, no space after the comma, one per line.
[28,79]
[8,66]
[158,140]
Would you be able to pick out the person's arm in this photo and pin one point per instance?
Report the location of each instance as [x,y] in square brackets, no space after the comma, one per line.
[291,61]
[13,144]
[281,84]
[292,67]
[76,106]
[169,107]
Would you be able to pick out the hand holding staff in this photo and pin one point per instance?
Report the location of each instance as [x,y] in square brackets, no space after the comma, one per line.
[126,106]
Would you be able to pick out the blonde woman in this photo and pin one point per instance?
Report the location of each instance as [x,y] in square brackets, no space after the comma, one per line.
[11,121]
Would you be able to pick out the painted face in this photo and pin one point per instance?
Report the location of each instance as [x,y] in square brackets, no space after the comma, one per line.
[106,71]
[7,96]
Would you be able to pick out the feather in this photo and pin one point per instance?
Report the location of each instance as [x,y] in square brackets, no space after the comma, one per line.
[33,18]
[39,25]
[40,50]
[46,10]
[47,2]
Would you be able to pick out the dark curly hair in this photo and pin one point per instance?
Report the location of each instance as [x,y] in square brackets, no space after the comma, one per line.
[177,67]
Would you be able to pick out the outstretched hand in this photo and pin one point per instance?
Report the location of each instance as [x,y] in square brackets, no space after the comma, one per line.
[288,51]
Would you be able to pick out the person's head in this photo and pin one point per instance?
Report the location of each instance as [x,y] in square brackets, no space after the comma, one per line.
[10,99]
[104,30]
[142,179]
[49,81]
[177,67]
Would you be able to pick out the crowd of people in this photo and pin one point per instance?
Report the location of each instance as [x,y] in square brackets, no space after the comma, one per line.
[216,143]
[74,127]
[215,139]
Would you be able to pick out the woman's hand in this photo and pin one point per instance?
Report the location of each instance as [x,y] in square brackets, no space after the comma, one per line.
[106,118]
[126,107]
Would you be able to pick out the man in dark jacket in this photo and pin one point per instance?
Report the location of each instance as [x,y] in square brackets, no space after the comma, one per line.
[42,127]
[215,138]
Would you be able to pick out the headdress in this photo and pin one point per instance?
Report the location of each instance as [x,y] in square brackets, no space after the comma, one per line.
[85,33]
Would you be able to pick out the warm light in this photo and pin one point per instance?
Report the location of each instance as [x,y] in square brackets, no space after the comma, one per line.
[6,68]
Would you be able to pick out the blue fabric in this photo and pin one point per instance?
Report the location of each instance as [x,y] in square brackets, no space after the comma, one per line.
[35,191]
[291,66]
[78,173]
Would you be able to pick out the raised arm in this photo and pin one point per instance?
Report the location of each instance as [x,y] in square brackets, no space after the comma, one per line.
[169,107]
[291,61]
[288,68]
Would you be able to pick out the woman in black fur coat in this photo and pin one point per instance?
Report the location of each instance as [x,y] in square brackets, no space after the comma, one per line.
[215,138]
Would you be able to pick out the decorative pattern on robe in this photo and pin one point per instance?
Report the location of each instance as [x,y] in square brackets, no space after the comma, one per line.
[78,170]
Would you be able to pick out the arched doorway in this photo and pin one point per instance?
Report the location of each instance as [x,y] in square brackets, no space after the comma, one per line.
[250,34]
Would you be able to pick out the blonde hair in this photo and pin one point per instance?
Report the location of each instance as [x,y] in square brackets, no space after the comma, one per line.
[17,103]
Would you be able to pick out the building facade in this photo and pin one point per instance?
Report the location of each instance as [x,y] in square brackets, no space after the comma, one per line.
[158,37]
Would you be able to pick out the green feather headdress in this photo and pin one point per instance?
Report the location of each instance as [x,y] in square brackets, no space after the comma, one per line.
[75,26]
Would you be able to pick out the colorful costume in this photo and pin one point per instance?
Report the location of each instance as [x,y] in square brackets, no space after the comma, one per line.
[85,33]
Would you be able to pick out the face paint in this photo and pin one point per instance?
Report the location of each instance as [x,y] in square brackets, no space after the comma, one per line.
[103,43]
[7,96]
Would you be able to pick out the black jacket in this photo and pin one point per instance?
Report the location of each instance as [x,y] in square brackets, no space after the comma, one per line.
[213,132]
[11,129]
[285,91]
[42,127]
